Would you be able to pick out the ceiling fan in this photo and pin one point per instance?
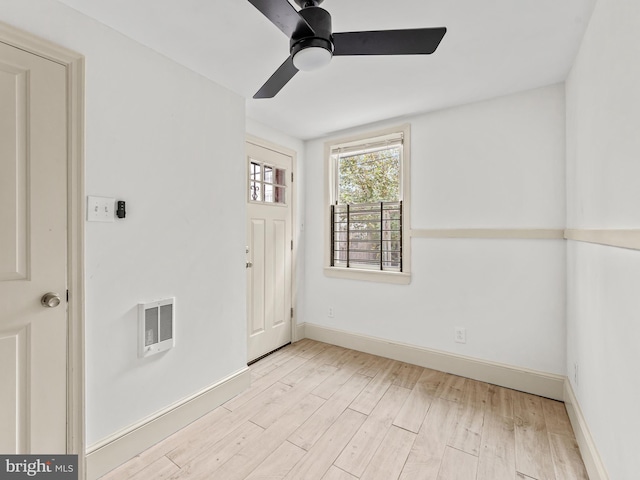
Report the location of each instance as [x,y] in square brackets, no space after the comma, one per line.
[313,44]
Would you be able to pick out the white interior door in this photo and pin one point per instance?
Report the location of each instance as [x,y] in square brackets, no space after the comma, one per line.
[33,253]
[269,250]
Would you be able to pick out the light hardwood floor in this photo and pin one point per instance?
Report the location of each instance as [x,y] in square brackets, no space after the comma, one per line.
[317,411]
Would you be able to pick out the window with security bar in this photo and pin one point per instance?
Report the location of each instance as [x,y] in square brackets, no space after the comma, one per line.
[367,204]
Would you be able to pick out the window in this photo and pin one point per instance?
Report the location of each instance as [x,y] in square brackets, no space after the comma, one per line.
[267,184]
[367,180]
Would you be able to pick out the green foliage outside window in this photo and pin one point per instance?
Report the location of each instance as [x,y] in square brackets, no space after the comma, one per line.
[369,177]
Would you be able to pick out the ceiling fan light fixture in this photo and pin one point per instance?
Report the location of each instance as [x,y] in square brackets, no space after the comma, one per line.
[313,42]
[311,58]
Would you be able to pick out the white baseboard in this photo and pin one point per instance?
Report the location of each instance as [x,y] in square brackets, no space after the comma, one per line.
[129,442]
[300,332]
[531,381]
[590,456]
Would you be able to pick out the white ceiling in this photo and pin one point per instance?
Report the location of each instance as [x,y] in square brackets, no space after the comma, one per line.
[492,48]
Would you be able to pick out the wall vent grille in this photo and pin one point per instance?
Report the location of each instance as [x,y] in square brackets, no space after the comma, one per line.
[156,326]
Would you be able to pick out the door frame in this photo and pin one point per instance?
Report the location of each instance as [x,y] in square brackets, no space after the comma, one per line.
[74,64]
[294,218]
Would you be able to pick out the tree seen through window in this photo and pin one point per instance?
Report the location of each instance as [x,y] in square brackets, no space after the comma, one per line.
[369,177]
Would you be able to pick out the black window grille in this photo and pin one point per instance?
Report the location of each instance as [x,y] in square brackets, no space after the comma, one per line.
[367,236]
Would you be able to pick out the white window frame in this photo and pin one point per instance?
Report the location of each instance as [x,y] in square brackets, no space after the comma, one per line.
[330,175]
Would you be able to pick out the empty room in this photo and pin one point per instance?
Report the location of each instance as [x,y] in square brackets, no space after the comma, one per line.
[305,239]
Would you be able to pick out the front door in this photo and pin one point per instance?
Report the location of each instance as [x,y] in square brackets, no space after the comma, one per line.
[269,249]
[33,253]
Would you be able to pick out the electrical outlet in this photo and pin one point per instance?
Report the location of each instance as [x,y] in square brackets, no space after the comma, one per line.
[575,374]
[461,335]
[330,313]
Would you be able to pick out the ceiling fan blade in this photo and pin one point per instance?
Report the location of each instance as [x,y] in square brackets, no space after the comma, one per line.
[279,79]
[284,16]
[417,41]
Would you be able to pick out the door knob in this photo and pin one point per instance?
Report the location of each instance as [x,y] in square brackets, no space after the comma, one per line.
[50,300]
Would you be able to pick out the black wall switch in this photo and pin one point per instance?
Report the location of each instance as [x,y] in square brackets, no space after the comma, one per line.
[120,211]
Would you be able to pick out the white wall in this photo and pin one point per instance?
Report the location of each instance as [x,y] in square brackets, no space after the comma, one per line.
[171,144]
[494,164]
[603,168]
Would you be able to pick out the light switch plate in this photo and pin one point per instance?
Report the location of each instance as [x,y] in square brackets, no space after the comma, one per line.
[101,209]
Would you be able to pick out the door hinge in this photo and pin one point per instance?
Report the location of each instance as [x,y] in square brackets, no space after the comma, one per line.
[292,176]
[291,312]
[291,244]
[67,296]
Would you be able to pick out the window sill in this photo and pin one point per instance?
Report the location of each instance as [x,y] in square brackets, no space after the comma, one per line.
[398,278]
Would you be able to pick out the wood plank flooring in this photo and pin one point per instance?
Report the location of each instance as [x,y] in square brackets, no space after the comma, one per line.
[319,412]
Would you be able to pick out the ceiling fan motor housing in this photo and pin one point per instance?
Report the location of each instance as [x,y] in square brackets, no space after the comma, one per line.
[320,21]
